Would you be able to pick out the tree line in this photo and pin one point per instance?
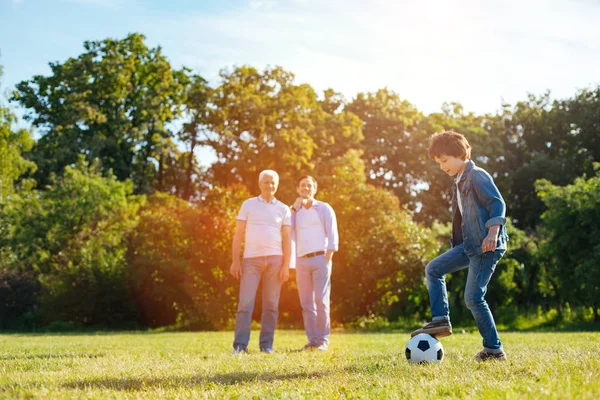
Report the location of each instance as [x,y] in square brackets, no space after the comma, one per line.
[109,219]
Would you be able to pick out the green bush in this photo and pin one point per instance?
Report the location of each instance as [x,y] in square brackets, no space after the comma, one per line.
[73,238]
[18,300]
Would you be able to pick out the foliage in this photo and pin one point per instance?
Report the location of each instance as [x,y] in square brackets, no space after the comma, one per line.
[194,134]
[18,300]
[113,103]
[118,119]
[394,147]
[73,237]
[383,253]
[12,146]
[553,140]
[179,257]
[160,251]
[572,238]
[262,120]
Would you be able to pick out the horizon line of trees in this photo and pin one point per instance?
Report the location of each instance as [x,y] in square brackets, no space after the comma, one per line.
[108,219]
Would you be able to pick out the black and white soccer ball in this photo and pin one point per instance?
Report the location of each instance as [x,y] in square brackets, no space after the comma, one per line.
[424,348]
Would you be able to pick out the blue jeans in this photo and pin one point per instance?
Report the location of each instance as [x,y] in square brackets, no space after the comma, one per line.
[253,270]
[313,276]
[481,268]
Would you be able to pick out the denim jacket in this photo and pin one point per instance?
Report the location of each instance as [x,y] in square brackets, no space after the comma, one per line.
[483,206]
[329,223]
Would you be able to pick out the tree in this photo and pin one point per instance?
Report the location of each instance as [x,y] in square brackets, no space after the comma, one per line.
[13,144]
[570,227]
[262,120]
[195,132]
[73,237]
[179,259]
[548,139]
[113,103]
[484,135]
[18,299]
[161,248]
[395,150]
[383,252]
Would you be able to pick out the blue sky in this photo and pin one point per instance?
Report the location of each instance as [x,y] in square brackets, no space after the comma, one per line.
[477,53]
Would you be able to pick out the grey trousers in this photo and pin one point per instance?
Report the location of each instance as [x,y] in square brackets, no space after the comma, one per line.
[313,276]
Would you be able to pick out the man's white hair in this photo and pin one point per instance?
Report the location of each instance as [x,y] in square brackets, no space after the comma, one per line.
[269,172]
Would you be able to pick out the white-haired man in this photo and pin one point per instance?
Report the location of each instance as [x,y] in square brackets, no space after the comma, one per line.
[265,224]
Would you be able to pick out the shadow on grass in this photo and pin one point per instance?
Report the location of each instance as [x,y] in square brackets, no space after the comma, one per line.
[189,381]
[90,332]
[545,327]
[553,327]
[49,356]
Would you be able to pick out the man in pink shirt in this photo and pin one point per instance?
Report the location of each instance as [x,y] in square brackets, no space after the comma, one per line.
[315,237]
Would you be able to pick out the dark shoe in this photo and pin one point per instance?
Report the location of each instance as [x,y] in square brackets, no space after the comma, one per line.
[308,347]
[240,350]
[268,351]
[485,356]
[437,329]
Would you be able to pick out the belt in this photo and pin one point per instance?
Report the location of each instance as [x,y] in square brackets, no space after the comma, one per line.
[316,253]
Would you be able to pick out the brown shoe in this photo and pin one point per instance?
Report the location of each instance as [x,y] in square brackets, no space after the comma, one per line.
[483,356]
[437,329]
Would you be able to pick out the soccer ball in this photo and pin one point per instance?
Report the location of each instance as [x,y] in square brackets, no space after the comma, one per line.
[424,348]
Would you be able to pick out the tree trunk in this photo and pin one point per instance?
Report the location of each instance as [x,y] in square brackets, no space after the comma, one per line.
[559,305]
[160,170]
[190,167]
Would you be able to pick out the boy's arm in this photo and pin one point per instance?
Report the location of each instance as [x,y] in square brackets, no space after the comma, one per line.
[490,196]
[490,241]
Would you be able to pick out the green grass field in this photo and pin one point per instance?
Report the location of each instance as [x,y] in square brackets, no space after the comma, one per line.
[358,365]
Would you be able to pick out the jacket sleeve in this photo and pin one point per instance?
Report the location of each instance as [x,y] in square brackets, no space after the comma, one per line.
[490,197]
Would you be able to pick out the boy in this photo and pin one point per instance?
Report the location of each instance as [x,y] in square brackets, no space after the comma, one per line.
[478,241]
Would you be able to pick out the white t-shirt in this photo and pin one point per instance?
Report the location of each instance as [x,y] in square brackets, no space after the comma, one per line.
[458,200]
[310,232]
[263,226]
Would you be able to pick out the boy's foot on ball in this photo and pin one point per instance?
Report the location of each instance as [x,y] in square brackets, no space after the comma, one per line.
[438,329]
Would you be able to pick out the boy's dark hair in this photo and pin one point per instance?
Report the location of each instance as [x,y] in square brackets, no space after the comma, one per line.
[306,177]
[449,143]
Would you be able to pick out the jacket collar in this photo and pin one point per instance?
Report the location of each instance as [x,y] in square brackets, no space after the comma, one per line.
[470,165]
